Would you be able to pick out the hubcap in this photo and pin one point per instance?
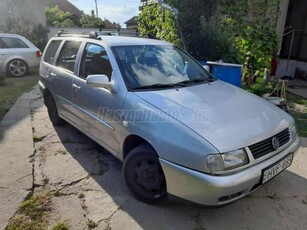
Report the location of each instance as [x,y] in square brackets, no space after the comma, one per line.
[148,176]
[17,68]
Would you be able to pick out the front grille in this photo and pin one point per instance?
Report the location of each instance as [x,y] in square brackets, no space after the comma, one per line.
[265,147]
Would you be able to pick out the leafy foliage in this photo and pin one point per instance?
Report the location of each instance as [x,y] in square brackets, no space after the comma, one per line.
[58,18]
[251,24]
[91,21]
[202,32]
[153,20]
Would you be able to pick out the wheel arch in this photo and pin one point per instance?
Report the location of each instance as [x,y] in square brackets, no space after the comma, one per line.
[133,141]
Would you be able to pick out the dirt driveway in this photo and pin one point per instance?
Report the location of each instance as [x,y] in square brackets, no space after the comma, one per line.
[87,185]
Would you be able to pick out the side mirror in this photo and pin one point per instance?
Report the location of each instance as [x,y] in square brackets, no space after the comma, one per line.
[101,81]
[206,67]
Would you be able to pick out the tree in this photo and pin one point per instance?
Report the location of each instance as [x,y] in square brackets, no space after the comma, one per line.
[91,22]
[193,18]
[154,21]
[58,18]
[252,27]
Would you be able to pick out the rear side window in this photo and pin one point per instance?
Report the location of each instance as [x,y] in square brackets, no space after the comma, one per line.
[12,43]
[68,55]
[51,51]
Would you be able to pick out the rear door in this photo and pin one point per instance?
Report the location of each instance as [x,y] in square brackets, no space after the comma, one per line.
[93,105]
[61,77]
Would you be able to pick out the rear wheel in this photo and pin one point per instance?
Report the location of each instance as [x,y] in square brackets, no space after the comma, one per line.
[53,111]
[144,175]
[16,68]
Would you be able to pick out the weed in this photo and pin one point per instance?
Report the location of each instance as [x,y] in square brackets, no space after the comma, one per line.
[62,152]
[62,225]
[83,206]
[81,195]
[304,202]
[91,224]
[273,196]
[46,180]
[37,139]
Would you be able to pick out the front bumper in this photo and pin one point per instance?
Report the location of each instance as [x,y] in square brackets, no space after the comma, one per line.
[213,190]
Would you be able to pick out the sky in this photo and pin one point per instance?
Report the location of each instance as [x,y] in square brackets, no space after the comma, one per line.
[114,10]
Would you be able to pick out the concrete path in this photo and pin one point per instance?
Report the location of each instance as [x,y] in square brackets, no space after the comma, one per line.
[16,149]
[297,87]
[87,183]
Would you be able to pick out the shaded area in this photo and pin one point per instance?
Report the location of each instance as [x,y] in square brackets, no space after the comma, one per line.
[74,165]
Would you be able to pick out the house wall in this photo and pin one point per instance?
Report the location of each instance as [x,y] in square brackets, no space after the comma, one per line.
[31,12]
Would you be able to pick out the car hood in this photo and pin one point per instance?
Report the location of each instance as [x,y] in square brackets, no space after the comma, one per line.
[226,116]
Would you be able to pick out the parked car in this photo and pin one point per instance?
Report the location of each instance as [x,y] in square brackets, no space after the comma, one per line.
[177,129]
[17,55]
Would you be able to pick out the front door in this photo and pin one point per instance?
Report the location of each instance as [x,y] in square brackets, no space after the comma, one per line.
[95,107]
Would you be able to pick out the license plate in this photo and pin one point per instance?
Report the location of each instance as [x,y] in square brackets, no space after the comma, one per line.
[276,168]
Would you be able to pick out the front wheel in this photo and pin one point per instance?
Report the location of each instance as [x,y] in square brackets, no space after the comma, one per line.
[144,175]
[16,68]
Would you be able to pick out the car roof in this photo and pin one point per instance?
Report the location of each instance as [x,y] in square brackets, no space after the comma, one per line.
[115,40]
[10,35]
[122,41]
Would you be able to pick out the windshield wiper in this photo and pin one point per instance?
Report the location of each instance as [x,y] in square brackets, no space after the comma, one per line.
[191,81]
[156,86]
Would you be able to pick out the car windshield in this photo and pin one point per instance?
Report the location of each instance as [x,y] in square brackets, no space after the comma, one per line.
[165,66]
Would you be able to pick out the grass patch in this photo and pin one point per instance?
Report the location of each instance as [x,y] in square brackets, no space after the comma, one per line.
[32,214]
[14,88]
[297,99]
[298,106]
[60,226]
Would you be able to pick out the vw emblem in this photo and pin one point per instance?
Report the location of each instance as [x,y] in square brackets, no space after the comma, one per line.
[275,143]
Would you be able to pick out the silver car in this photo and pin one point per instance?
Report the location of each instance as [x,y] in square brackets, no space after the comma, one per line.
[17,55]
[177,129]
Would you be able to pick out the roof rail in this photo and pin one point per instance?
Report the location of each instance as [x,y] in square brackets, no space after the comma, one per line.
[94,35]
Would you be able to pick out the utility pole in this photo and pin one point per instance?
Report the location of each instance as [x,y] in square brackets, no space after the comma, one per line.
[96,8]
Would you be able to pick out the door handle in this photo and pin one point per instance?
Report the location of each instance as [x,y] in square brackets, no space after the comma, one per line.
[78,87]
[52,74]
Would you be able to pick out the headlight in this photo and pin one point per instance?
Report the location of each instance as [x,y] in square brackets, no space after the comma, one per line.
[293,131]
[226,161]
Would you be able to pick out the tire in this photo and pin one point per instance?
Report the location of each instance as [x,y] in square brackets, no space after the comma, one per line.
[53,111]
[16,68]
[144,175]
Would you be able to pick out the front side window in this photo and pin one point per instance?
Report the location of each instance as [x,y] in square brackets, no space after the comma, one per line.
[51,51]
[12,43]
[151,66]
[95,61]
[68,55]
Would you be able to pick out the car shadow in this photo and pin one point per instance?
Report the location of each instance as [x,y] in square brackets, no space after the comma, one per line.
[279,204]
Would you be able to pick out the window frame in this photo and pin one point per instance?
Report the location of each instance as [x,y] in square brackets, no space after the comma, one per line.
[63,46]
[24,45]
[86,44]
[56,54]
